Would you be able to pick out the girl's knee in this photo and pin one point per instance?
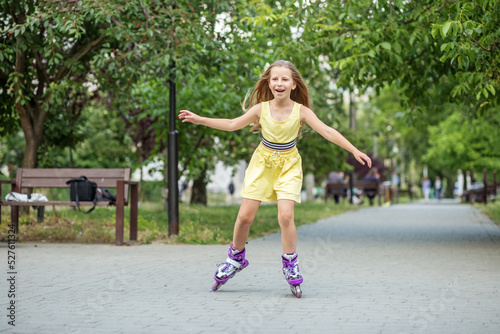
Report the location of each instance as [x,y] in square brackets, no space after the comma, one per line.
[285,219]
[244,220]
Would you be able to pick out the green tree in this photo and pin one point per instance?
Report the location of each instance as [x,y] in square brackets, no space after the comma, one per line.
[103,142]
[400,141]
[43,56]
[466,143]
[56,55]
[434,52]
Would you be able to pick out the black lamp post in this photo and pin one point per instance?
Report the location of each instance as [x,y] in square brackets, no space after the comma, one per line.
[173,158]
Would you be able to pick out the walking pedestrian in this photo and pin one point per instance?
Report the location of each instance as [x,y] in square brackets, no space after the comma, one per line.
[437,187]
[426,188]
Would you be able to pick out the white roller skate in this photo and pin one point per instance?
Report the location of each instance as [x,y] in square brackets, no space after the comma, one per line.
[235,262]
[292,273]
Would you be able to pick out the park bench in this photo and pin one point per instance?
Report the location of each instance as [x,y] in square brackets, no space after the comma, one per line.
[117,178]
[481,192]
[360,185]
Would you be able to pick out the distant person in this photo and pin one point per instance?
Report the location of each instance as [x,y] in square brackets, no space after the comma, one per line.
[394,180]
[437,187]
[426,188]
[468,180]
[230,188]
[372,175]
[459,186]
[337,177]
[182,188]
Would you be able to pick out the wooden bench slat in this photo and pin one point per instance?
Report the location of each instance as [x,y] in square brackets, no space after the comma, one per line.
[56,203]
[74,172]
[61,183]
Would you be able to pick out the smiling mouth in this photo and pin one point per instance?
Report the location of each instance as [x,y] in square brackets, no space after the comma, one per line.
[279,90]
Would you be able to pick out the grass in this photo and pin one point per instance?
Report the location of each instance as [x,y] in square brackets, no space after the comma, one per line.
[492,210]
[197,224]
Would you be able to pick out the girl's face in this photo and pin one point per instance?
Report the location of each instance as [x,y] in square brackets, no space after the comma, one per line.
[281,82]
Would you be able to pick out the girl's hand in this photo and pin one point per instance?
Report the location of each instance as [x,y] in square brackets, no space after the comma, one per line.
[362,157]
[188,116]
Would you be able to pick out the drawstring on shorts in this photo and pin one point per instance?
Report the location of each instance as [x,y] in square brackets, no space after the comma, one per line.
[279,155]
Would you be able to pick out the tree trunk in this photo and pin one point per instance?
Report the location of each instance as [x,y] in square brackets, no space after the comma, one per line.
[199,193]
[31,112]
[32,126]
[32,119]
[30,159]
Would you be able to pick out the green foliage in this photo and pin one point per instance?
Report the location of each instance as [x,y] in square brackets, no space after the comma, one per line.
[8,118]
[151,191]
[78,48]
[469,42]
[11,150]
[103,143]
[107,145]
[466,143]
[46,47]
[384,117]
[373,43]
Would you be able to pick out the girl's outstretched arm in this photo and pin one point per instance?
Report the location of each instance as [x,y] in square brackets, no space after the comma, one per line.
[332,135]
[225,124]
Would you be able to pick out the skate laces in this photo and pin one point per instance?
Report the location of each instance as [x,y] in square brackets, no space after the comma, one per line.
[291,265]
[225,267]
[231,265]
[292,270]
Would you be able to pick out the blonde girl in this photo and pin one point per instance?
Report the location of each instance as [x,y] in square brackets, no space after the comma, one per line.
[278,106]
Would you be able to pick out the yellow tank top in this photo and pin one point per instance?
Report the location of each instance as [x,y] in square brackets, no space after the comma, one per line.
[283,134]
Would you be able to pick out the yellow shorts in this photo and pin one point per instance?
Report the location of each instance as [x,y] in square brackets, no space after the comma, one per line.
[273,175]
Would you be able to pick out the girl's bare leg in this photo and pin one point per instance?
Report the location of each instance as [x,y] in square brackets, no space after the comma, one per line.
[286,220]
[246,215]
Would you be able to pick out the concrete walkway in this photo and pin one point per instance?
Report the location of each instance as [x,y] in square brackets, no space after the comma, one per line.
[418,268]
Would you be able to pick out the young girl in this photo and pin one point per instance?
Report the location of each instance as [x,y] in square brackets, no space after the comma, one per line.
[278,107]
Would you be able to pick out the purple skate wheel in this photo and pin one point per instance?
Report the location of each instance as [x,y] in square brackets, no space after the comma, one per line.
[296,290]
[216,286]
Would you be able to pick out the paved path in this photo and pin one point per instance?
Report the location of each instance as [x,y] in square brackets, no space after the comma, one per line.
[402,269]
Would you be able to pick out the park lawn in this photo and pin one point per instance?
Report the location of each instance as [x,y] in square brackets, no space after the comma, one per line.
[197,224]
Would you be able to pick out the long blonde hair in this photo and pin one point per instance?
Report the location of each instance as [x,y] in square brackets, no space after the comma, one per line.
[262,92]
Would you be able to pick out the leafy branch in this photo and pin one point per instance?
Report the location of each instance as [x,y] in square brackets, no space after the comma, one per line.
[332,39]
